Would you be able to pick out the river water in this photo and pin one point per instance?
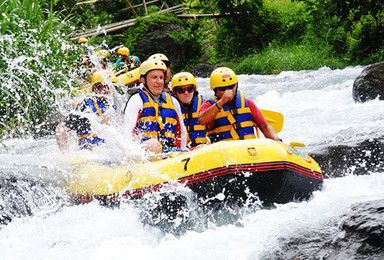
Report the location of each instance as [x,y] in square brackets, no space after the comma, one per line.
[319,111]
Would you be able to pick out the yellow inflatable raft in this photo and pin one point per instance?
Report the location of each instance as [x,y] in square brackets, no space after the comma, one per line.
[129,78]
[269,169]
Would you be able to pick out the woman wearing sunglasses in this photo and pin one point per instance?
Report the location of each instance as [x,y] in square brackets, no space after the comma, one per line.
[184,89]
[229,115]
[79,121]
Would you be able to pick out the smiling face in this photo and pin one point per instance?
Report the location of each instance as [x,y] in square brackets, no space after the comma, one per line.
[185,93]
[155,81]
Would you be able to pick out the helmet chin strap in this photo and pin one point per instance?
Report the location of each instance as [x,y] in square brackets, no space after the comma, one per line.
[146,86]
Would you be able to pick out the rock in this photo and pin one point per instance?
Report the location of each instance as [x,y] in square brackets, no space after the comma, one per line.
[364,227]
[358,234]
[160,41]
[361,158]
[203,70]
[370,84]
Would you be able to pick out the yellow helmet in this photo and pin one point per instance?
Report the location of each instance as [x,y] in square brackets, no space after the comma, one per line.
[153,64]
[103,54]
[82,40]
[101,75]
[123,51]
[97,78]
[222,77]
[182,79]
[162,57]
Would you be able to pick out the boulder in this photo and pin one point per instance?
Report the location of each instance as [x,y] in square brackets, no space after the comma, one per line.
[357,234]
[370,84]
[160,41]
[203,70]
[359,158]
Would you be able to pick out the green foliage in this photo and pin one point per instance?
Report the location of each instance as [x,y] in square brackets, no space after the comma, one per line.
[32,64]
[147,25]
[180,42]
[354,28]
[277,57]
[249,27]
[292,16]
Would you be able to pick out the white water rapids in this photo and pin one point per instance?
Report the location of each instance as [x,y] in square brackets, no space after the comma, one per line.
[318,109]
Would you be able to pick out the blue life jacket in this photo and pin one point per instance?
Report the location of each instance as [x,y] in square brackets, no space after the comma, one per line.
[158,120]
[89,139]
[196,131]
[232,123]
[130,64]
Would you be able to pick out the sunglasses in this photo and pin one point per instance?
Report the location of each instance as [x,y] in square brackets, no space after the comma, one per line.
[188,89]
[227,87]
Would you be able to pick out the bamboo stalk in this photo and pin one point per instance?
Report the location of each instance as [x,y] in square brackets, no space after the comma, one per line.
[206,15]
[121,25]
[86,2]
[139,5]
[145,7]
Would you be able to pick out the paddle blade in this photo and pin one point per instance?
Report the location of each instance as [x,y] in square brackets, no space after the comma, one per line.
[275,119]
[296,144]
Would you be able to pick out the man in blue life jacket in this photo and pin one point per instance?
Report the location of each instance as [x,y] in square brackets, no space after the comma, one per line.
[229,115]
[152,115]
[126,62]
[184,88]
[77,121]
[163,58]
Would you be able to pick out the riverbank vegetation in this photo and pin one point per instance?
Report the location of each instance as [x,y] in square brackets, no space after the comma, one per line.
[259,36]
[255,37]
[33,63]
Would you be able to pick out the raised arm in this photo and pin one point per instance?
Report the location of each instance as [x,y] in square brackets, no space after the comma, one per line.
[207,115]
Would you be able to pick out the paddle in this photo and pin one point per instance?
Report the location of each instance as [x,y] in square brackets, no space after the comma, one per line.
[275,119]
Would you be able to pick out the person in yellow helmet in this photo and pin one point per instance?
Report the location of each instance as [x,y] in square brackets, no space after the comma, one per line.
[103,55]
[184,88]
[126,61]
[78,120]
[152,115]
[82,41]
[229,115]
[84,65]
[163,58]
